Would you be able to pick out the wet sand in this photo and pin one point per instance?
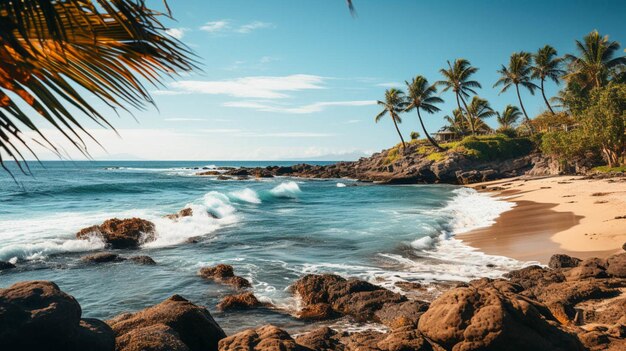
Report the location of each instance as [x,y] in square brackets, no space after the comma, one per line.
[555,215]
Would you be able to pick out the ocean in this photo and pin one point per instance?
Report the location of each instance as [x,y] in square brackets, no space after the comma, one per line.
[272,231]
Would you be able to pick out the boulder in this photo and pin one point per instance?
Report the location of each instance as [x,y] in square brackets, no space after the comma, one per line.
[317,312]
[491,315]
[265,338]
[396,315]
[121,233]
[6,265]
[353,297]
[589,268]
[145,260]
[224,274]
[174,318]
[102,257]
[242,301]
[563,261]
[321,339]
[37,315]
[185,212]
[616,265]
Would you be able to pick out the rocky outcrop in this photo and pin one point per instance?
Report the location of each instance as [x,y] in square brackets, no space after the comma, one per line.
[224,274]
[185,212]
[265,338]
[145,260]
[174,324]
[6,265]
[243,301]
[102,257]
[563,261]
[37,315]
[121,233]
[356,298]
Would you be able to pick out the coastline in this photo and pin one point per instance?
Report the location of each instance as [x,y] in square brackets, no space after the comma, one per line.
[571,215]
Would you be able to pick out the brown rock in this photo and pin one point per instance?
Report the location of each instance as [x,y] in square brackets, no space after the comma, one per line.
[185,212]
[404,339]
[317,312]
[145,260]
[589,268]
[121,233]
[242,301]
[616,265]
[102,257]
[157,337]
[209,173]
[265,338]
[353,297]
[224,274]
[408,286]
[321,339]
[491,315]
[194,325]
[563,261]
[37,315]
[397,315]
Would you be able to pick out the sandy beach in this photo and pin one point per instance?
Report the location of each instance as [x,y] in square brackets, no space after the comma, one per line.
[564,214]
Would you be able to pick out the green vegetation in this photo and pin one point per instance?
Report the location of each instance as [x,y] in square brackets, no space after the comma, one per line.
[421,97]
[394,104]
[415,136]
[607,169]
[494,147]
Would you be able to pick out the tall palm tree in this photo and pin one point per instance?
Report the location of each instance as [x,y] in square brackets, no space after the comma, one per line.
[420,96]
[457,123]
[546,66]
[509,116]
[595,61]
[457,79]
[518,73]
[480,109]
[394,104]
[49,48]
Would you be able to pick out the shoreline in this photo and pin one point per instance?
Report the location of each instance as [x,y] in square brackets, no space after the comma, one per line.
[571,215]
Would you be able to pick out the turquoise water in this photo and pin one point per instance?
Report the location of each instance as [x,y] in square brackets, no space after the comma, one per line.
[272,231]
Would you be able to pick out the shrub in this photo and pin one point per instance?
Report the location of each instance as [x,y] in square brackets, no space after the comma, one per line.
[495,147]
[415,135]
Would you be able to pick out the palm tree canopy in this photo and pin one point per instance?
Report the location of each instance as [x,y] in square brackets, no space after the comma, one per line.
[457,122]
[421,95]
[49,48]
[547,65]
[395,103]
[509,116]
[457,78]
[595,61]
[480,108]
[518,72]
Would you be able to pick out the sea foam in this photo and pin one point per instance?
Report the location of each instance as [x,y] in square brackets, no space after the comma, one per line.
[286,190]
[246,195]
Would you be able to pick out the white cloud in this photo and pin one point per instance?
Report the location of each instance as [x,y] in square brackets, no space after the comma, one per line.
[167,92]
[290,135]
[183,119]
[219,130]
[215,26]
[252,26]
[305,109]
[352,121]
[390,85]
[248,87]
[177,33]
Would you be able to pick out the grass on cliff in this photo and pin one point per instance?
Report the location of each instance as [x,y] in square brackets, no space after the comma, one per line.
[607,169]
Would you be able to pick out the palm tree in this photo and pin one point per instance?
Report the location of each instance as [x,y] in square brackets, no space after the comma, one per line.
[596,60]
[48,49]
[457,79]
[509,116]
[457,123]
[420,97]
[394,103]
[547,66]
[480,109]
[516,74]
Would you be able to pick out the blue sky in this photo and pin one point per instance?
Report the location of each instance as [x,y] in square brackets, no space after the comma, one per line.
[298,79]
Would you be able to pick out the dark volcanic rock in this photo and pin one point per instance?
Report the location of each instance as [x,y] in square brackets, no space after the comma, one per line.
[121,233]
[6,265]
[224,274]
[491,315]
[243,301]
[170,323]
[37,315]
[102,257]
[145,260]
[353,297]
[563,261]
[265,338]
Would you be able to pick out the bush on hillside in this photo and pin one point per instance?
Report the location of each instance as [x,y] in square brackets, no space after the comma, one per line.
[495,147]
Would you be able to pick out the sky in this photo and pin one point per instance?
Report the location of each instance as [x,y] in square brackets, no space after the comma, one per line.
[298,80]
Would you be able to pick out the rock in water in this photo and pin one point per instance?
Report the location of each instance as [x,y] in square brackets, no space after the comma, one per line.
[239,302]
[563,261]
[224,274]
[490,315]
[185,212]
[145,260]
[121,233]
[102,257]
[37,315]
[6,265]
[174,324]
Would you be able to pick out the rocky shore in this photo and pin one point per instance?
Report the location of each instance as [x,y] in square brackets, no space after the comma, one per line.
[571,305]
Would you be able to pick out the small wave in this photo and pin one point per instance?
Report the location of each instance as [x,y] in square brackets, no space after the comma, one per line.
[286,190]
[424,243]
[341,185]
[470,210]
[246,195]
[42,249]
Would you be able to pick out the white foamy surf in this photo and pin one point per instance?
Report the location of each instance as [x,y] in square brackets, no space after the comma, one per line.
[288,189]
[246,195]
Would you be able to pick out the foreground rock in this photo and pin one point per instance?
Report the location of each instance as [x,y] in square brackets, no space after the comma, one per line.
[265,338]
[37,315]
[121,233]
[224,274]
[174,324]
[336,295]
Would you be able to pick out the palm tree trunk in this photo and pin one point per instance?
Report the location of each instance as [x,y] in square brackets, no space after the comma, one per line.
[393,118]
[519,97]
[543,93]
[432,141]
[458,104]
[469,117]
